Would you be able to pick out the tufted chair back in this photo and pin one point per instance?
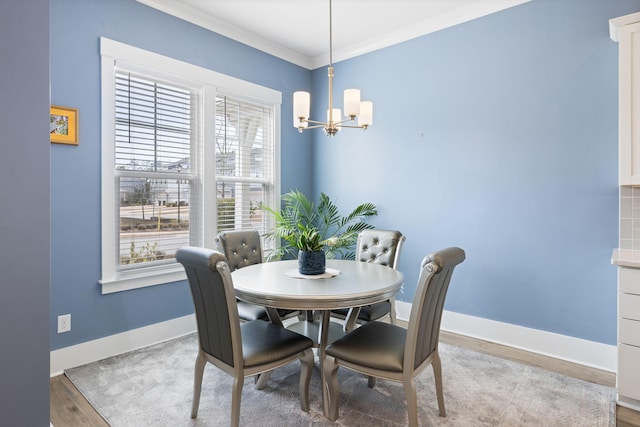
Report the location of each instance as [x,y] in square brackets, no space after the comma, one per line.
[379,246]
[241,247]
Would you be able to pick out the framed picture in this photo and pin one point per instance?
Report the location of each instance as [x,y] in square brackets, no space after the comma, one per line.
[63,125]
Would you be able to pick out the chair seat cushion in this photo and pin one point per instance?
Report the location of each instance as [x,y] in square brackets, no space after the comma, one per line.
[368,313]
[263,342]
[248,312]
[376,344]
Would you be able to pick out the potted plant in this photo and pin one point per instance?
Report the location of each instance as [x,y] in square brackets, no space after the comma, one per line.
[311,256]
[304,227]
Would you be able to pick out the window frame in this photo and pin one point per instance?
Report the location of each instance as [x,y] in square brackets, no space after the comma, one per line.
[208,83]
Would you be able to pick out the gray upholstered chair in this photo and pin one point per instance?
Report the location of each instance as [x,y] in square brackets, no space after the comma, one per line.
[243,248]
[381,247]
[382,350]
[239,349]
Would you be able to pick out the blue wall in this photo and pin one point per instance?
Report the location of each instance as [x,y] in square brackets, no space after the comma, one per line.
[498,135]
[76,27]
[24,213]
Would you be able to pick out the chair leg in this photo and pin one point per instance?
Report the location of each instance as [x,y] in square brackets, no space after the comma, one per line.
[306,368]
[262,380]
[392,311]
[197,383]
[412,401]
[235,401]
[371,382]
[330,392]
[437,374]
[352,319]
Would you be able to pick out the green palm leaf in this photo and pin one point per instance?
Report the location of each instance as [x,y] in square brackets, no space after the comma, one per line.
[299,225]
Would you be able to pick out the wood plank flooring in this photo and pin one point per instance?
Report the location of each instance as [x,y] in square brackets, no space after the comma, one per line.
[70,409]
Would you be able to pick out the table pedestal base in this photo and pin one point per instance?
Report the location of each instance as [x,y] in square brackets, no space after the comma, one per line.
[311,329]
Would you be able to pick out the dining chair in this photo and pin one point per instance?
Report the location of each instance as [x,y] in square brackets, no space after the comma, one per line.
[239,349]
[243,248]
[380,247]
[382,350]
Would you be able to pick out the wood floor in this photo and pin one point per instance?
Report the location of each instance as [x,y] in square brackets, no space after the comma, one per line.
[70,409]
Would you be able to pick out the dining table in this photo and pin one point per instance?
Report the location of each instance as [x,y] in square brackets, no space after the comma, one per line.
[345,284]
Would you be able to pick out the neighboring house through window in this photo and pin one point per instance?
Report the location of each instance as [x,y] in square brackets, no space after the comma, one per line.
[186,152]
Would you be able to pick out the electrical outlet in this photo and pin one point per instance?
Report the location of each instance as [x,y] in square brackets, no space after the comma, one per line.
[64,323]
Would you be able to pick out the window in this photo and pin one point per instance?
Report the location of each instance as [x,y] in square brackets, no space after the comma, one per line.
[182,158]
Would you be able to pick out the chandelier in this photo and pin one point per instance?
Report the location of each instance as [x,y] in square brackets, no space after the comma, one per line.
[353,107]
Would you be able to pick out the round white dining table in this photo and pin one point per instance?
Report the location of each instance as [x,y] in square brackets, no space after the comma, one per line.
[272,284]
[351,284]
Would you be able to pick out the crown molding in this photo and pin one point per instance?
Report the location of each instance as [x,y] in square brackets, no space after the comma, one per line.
[460,15]
[196,17]
[464,13]
[616,23]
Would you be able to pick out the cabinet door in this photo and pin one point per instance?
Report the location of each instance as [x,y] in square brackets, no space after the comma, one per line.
[628,371]
[629,306]
[629,99]
[629,280]
[629,332]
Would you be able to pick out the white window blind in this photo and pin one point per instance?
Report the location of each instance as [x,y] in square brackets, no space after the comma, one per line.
[244,163]
[155,136]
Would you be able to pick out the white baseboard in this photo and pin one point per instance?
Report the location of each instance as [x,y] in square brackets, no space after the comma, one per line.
[576,350]
[92,351]
[627,402]
[563,347]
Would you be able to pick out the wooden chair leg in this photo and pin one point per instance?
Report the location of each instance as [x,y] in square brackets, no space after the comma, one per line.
[197,383]
[236,397]
[352,319]
[262,380]
[437,374]
[392,311]
[412,401]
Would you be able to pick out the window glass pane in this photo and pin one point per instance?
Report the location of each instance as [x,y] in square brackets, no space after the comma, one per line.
[243,138]
[154,219]
[238,206]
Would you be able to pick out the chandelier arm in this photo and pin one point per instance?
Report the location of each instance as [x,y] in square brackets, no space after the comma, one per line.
[315,122]
[315,127]
[340,123]
[354,126]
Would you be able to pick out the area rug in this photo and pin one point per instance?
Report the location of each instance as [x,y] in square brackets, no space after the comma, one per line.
[153,387]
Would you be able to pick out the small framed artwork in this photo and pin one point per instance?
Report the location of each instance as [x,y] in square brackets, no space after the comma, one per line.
[63,125]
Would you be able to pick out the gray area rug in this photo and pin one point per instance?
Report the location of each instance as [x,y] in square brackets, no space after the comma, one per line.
[153,387]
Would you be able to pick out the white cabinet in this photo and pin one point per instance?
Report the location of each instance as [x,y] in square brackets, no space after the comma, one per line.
[628,378]
[626,31]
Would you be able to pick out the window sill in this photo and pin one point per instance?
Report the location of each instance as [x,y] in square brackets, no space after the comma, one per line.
[142,279]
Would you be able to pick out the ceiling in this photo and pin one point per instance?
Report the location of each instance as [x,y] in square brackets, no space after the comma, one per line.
[298,30]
